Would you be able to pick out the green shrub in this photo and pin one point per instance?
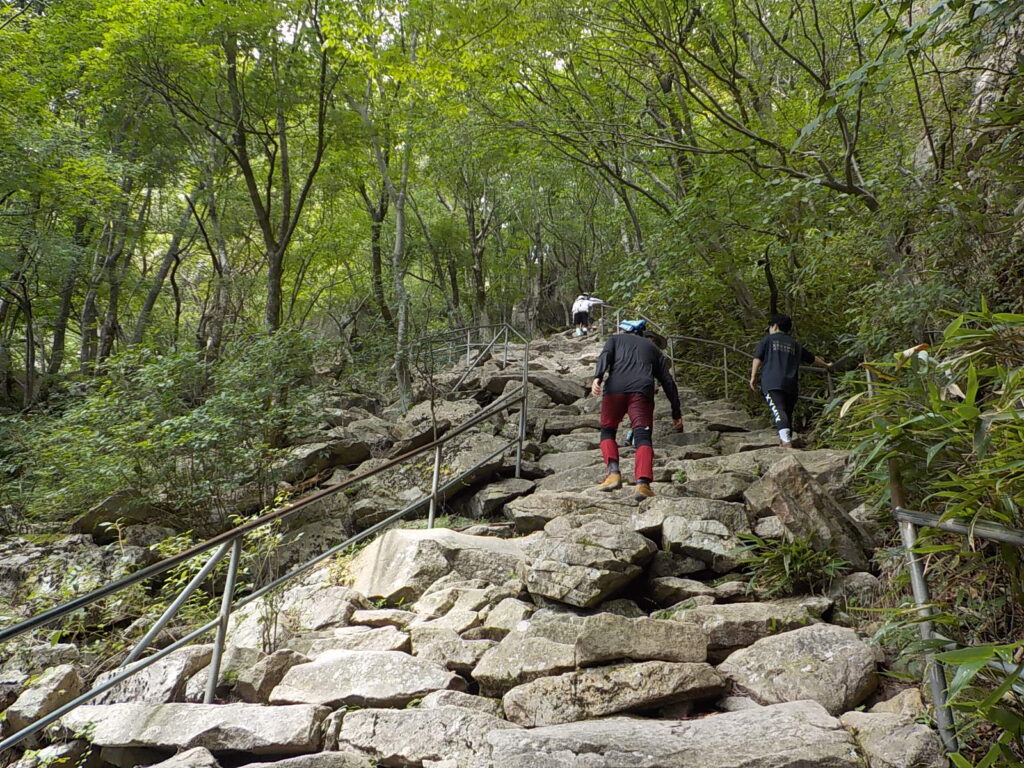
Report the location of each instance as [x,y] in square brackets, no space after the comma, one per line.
[789,567]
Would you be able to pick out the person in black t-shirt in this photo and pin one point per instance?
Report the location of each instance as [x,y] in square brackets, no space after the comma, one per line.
[778,357]
[632,364]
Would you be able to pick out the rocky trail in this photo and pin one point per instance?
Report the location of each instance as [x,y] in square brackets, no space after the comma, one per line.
[564,628]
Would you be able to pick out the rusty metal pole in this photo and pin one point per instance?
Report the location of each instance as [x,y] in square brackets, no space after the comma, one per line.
[725,373]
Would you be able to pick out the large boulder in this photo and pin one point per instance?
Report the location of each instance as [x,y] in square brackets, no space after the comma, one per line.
[891,741]
[410,737]
[364,679]
[799,735]
[54,688]
[552,643]
[351,639]
[823,662]
[590,693]
[250,728]
[163,681]
[429,420]
[401,564]
[584,559]
[737,625]
[806,510]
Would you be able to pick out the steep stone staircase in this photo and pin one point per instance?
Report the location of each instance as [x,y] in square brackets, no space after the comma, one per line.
[566,628]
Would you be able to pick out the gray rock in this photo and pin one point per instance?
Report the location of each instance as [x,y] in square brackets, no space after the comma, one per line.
[800,735]
[733,516]
[669,590]
[550,644]
[255,683]
[533,512]
[560,462]
[728,486]
[770,528]
[356,639]
[859,588]
[402,563]
[71,754]
[33,659]
[730,421]
[491,498]
[505,616]
[738,442]
[163,681]
[608,690]
[737,625]
[445,647]
[460,699]
[706,540]
[414,736]
[908,704]
[805,509]
[146,535]
[671,564]
[383,617]
[347,759]
[822,662]
[54,688]
[583,559]
[250,728]
[890,741]
[731,591]
[736,704]
[198,757]
[362,678]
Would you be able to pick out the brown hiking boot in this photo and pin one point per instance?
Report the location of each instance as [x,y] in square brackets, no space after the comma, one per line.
[611,483]
[643,491]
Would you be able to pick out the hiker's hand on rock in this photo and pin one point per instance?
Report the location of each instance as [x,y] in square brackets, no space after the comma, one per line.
[595,388]
[677,425]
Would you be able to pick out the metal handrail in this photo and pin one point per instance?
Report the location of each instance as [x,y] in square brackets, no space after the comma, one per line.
[909,522]
[232,540]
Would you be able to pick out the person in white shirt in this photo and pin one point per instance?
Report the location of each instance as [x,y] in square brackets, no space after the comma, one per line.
[581,312]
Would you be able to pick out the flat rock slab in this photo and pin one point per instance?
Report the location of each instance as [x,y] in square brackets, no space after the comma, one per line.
[601,691]
[799,735]
[709,541]
[583,559]
[553,643]
[320,760]
[732,515]
[409,737]
[828,664]
[250,728]
[363,678]
[354,639]
[737,625]
[892,741]
[727,486]
[533,512]
[739,442]
[402,563]
[163,681]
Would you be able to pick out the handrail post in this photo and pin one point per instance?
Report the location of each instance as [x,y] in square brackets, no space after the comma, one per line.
[919,586]
[504,354]
[725,373]
[222,627]
[522,409]
[469,346]
[172,609]
[433,487]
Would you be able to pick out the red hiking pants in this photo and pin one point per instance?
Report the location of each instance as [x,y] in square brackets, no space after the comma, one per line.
[641,416]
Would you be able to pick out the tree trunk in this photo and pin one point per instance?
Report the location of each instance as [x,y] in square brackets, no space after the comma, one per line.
[161,275]
[67,292]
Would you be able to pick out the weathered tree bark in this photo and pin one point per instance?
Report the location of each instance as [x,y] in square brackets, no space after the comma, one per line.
[377,209]
[156,288]
[80,241]
[111,323]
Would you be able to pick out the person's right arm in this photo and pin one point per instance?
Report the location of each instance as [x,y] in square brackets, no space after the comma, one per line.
[604,364]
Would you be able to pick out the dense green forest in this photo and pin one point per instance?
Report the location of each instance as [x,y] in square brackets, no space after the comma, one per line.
[211,210]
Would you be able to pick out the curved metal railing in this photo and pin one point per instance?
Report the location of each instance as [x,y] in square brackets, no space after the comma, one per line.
[230,543]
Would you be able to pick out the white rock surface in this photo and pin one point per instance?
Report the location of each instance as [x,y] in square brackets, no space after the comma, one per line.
[364,679]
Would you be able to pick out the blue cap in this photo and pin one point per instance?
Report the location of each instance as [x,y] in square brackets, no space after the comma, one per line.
[633,326]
